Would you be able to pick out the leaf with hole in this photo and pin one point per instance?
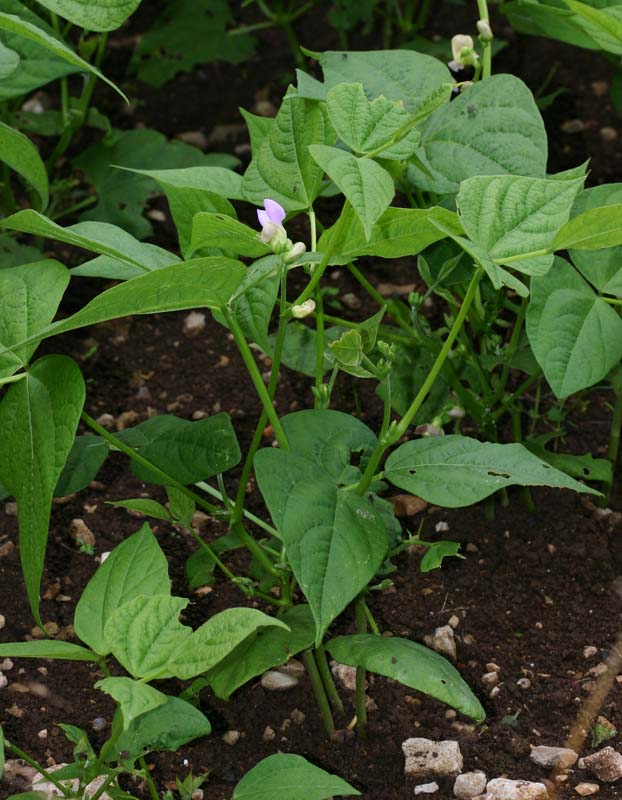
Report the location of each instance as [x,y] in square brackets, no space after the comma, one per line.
[133,697]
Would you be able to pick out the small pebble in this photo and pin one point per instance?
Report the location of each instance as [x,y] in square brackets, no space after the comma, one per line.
[3,680]
[443,641]
[453,621]
[98,724]
[586,789]
[275,681]
[297,716]
[2,621]
[553,757]
[495,692]
[292,667]
[441,527]
[608,134]
[426,788]
[268,734]
[43,734]
[470,784]
[524,683]
[6,664]
[346,675]
[231,737]
[590,651]
[351,301]
[573,126]
[492,667]
[490,679]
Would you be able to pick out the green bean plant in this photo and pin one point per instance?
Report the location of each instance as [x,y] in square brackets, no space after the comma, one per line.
[523,266]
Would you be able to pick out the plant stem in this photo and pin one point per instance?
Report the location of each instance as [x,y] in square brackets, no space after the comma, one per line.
[205,487]
[49,776]
[253,371]
[327,678]
[518,437]
[361,709]
[482,7]
[149,780]
[255,548]
[510,353]
[319,691]
[614,444]
[399,430]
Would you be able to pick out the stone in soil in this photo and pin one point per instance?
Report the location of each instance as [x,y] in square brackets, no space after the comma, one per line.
[426,758]
[426,788]
[443,641]
[39,784]
[559,757]
[606,765]
[345,675]
[585,789]
[275,681]
[506,789]
[470,784]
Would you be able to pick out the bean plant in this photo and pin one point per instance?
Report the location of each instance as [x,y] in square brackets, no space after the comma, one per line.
[524,267]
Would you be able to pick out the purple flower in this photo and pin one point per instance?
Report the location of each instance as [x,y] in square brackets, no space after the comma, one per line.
[273,213]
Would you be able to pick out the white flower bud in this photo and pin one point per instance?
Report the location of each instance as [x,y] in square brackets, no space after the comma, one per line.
[295,252]
[462,50]
[456,413]
[273,234]
[484,30]
[304,309]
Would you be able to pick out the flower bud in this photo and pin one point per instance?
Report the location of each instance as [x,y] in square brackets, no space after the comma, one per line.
[304,309]
[271,233]
[456,413]
[484,30]
[295,252]
[463,52]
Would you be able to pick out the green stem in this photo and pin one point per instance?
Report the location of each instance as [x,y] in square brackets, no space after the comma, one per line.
[205,487]
[150,784]
[482,7]
[319,348]
[614,444]
[518,437]
[256,549]
[255,375]
[327,678]
[508,401]
[49,776]
[522,256]
[361,709]
[370,618]
[164,476]
[393,435]
[319,691]
[510,353]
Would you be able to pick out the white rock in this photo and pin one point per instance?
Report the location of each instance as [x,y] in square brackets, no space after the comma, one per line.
[443,641]
[194,323]
[606,765]
[454,621]
[524,683]
[345,675]
[292,667]
[470,784]
[6,664]
[589,651]
[230,737]
[4,681]
[505,789]
[278,681]
[2,621]
[490,678]
[46,787]
[560,757]
[426,788]
[426,758]
[586,789]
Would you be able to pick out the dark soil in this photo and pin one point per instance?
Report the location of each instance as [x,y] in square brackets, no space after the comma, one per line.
[533,591]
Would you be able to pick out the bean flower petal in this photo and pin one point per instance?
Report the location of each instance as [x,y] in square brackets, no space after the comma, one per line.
[275,212]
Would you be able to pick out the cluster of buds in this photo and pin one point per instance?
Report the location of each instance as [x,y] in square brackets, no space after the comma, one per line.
[273,233]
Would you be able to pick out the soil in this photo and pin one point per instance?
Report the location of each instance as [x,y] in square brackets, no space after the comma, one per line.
[533,591]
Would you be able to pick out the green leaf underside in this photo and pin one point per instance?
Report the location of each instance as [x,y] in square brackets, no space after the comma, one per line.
[509,216]
[38,416]
[267,648]
[368,186]
[134,698]
[46,648]
[454,471]
[575,335]
[85,458]
[104,15]
[218,230]
[135,567]
[290,777]
[324,527]
[411,664]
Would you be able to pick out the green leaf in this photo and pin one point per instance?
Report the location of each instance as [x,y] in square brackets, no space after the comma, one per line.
[594,229]
[282,168]
[20,154]
[104,15]
[397,74]
[199,567]
[144,505]
[135,567]
[185,34]
[585,467]
[134,698]
[9,61]
[492,128]
[575,335]
[219,230]
[188,451]
[397,233]
[366,184]
[38,417]
[217,638]
[253,309]
[411,664]
[145,634]
[85,458]
[366,126]
[97,237]
[601,269]
[323,526]
[167,727]
[266,648]
[46,648]
[30,297]
[603,27]
[509,216]
[21,27]
[454,471]
[290,777]
[14,254]
[118,168]
[208,282]
[436,552]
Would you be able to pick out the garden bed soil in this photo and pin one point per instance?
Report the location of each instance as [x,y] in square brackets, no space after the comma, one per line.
[534,590]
